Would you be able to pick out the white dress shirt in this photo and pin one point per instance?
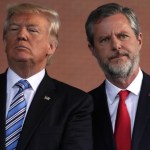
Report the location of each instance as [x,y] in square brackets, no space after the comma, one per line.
[131,101]
[13,78]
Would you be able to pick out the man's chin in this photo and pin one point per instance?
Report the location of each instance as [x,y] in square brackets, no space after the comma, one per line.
[21,61]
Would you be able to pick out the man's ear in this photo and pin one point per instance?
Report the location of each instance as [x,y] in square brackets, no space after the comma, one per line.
[92,49]
[52,47]
[140,40]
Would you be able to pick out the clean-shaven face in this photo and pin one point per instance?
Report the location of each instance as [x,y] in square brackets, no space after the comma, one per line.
[27,39]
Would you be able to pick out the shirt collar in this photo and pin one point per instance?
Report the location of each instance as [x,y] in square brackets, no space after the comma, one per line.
[34,80]
[111,91]
[134,87]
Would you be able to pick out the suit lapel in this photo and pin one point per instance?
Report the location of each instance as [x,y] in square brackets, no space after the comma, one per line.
[2,109]
[101,120]
[143,112]
[41,103]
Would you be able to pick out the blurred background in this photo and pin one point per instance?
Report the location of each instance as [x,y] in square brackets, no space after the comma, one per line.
[73,62]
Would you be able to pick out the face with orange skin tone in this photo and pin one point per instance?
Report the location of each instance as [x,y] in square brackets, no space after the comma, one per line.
[116,48]
[28,43]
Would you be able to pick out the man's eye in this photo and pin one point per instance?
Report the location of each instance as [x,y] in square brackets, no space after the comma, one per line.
[32,30]
[13,28]
[104,40]
[123,36]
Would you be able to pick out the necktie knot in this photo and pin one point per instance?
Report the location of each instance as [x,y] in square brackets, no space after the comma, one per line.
[23,84]
[123,94]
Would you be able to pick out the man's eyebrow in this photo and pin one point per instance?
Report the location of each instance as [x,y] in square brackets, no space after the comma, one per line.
[104,36]
[14,23]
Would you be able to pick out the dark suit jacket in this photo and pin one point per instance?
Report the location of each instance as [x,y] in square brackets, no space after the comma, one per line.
[61,123]
[102,127]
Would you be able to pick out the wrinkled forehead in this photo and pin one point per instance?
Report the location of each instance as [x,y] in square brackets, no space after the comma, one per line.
[103,18]
[28,18]
[113,24]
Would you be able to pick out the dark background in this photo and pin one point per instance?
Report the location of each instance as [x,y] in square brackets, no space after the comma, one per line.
[73,62]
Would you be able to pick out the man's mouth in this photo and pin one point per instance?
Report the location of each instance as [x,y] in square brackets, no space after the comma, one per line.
[22,47]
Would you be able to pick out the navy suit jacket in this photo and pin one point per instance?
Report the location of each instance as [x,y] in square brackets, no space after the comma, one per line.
[61,123]
[102,127]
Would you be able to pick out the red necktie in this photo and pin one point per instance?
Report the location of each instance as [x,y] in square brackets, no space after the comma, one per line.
[122,127]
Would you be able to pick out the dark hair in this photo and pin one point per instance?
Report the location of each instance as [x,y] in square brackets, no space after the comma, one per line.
[109,10]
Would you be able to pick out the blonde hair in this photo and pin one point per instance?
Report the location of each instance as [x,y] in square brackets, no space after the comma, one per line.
[51,15]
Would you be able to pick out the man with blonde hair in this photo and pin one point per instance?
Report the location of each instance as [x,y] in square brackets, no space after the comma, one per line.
[36,111]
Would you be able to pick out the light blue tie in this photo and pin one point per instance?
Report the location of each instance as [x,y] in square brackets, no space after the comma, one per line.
[15,116]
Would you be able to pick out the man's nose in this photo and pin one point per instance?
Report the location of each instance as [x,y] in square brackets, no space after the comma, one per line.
[116,43]
[22,34]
